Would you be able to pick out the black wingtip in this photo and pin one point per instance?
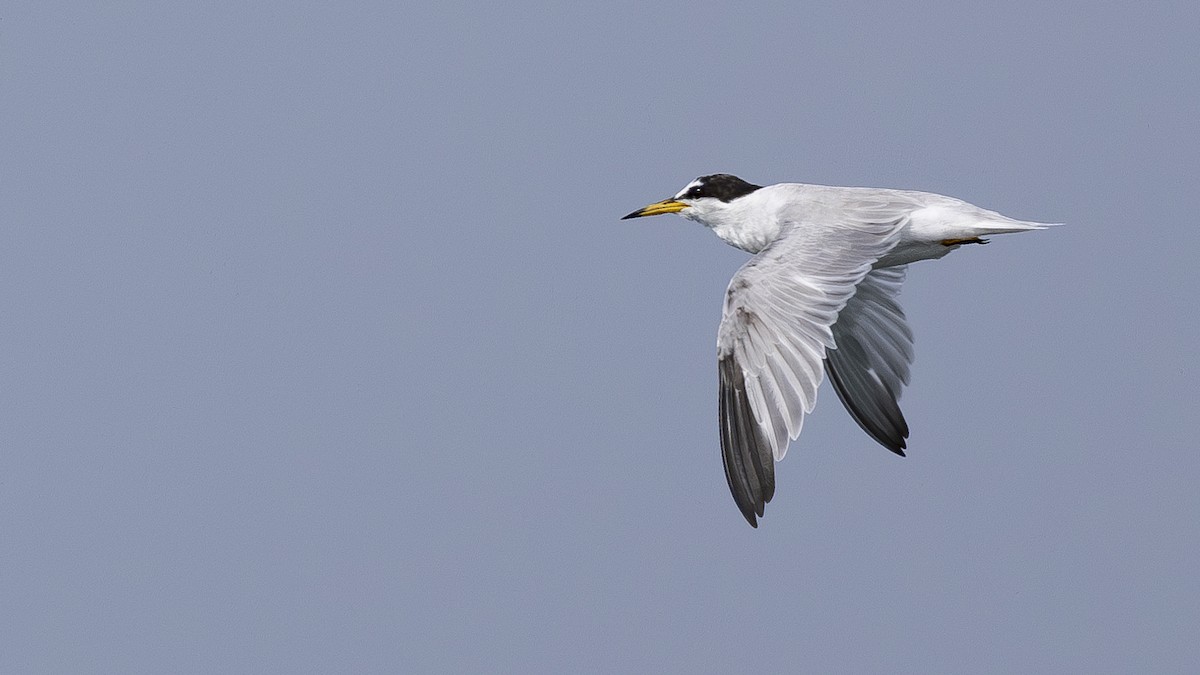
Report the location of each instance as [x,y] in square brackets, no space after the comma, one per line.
[749,464]
[896,444]
[891,429]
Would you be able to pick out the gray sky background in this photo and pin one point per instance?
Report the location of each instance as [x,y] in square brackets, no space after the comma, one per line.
[322,348]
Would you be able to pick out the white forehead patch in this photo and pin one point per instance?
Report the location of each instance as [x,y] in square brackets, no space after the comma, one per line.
[687,187]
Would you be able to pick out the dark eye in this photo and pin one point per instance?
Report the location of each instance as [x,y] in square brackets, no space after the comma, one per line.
[694,192]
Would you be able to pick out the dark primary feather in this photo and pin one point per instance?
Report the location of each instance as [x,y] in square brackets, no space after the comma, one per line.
[866,398]
[749,463]
[870,365]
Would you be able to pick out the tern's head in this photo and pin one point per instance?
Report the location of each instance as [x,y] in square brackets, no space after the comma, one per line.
[707,195]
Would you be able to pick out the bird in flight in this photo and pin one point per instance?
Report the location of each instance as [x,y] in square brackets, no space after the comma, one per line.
[817,298]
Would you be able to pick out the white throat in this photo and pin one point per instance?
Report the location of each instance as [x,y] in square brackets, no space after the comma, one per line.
[747,222]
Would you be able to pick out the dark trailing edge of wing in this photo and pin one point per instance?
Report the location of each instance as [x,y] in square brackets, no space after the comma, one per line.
[872,405]
[749,463]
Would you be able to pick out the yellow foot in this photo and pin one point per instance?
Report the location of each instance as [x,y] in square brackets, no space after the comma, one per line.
[956,242]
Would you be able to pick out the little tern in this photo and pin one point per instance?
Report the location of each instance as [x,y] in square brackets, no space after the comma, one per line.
[819,296]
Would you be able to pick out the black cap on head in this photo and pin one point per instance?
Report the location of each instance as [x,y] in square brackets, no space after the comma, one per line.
[721,186]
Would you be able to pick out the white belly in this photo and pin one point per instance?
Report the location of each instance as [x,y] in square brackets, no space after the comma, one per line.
[928,227]
[912,251]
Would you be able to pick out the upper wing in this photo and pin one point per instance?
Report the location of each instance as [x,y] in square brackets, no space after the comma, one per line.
[870,365]
[776,328]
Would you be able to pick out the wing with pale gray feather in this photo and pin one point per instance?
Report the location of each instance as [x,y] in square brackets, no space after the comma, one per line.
[776,328]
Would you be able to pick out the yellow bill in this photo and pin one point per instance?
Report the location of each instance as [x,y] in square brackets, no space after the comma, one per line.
[657,209]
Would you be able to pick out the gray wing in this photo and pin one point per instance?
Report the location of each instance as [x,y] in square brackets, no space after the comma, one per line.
[870,365]
[775,331]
